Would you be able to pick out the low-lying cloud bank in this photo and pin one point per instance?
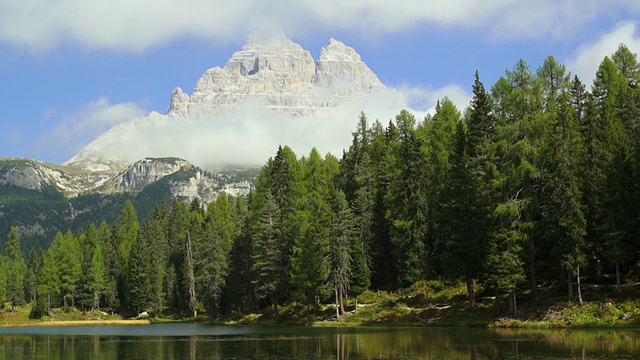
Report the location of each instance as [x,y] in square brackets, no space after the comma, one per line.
[250,136]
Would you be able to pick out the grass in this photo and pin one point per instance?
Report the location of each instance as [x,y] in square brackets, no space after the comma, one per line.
[82,323]
[424,304]
[438,304]
[62,317]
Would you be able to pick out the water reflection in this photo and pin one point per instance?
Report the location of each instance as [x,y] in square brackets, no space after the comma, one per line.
[170,341]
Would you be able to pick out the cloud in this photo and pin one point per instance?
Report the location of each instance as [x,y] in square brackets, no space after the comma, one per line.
[73,130]
[423,100]
[587,59]
[253,134]
[249,137]
[142,24]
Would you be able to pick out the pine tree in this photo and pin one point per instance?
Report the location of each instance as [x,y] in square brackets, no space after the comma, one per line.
[309,268]
[563,217]
[91,282]
[48,276]
[213,260]
[342,236]
[467,206]
[158,250]
[517,102]
[66,251]
[406,201]
[139,271]
[267,255]
[31,279]
[16,270]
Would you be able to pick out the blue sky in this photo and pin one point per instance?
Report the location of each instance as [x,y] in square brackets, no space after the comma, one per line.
[71,69]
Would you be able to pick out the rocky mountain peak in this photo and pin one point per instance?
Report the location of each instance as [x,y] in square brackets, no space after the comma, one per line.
[273,74]
[282,76]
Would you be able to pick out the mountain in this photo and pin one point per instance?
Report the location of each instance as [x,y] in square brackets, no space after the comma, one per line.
[41,198]
[276,76]
[282,76]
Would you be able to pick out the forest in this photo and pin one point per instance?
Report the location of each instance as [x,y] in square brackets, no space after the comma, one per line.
[535,182]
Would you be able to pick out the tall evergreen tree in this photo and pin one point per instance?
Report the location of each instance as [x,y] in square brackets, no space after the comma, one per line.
[309,269]
[139,271]
[31,279]
[406,201]
[268,258]
[213,252]
[468,204]
[48,278]
[16,270]
[341,238]
[563,217]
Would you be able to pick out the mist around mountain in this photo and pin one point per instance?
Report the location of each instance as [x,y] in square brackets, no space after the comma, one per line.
[212,140]
[268,94]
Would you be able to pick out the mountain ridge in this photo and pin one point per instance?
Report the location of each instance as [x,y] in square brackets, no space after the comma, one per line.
[275,75]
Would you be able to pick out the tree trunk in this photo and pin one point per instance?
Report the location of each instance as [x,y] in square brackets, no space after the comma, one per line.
[618,282]
[337,304]
[214,312]
[193,302]
[275,306]
[472,294]
[48,303]
[579,287]
[532,268]
[569,285]
[513,304]
[341,302]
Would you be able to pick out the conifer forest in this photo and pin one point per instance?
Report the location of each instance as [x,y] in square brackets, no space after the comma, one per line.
[536,181]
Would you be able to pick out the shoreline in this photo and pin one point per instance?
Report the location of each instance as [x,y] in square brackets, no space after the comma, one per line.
[77,323]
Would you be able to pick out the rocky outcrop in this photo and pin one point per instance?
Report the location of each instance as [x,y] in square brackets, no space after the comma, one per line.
[277,75]
[34,175]
[280,75]
[193,182]
[146,172]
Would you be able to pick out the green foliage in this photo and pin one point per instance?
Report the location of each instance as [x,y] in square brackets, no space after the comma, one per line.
[38,310]
[535,182]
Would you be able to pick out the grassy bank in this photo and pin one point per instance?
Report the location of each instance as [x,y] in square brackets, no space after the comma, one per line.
[424,304]
[437,304]
[62,317]
[79,323]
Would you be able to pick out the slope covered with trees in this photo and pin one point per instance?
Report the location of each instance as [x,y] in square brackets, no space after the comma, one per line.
[536,182]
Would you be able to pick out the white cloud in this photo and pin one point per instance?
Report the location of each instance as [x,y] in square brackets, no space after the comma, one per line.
[248,138]
[424,100]
[253,135]
[588,57]
[93,119]
[141,24]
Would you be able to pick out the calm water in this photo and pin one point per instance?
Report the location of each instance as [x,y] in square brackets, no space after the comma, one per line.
[193,341]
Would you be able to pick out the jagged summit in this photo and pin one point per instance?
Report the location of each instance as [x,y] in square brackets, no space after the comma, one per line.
[268,73]
[280,75]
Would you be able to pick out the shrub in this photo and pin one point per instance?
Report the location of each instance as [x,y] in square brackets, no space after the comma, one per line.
[37,311]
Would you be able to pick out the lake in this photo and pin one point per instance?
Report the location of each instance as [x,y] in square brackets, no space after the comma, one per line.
[197,341]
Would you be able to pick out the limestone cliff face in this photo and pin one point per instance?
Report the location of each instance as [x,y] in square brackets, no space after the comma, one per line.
[34,175]
[192,182]
[277,75]
[280,75]
[146,172]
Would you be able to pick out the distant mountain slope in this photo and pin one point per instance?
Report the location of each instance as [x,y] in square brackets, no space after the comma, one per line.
[41,199]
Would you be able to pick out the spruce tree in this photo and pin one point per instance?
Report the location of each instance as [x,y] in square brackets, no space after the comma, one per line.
[16,270]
